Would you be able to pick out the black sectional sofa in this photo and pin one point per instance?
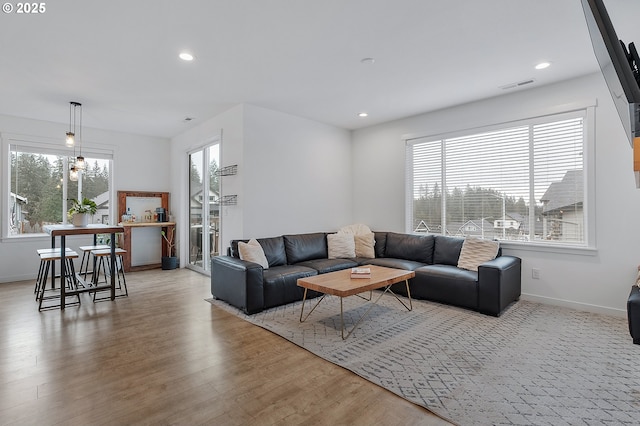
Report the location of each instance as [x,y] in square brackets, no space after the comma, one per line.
[433,258]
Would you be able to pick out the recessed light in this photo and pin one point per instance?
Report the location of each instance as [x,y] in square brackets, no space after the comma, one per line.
[543,65]
[186,56]
[363,114]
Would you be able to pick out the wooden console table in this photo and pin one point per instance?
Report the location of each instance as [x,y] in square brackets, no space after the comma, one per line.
[167,227]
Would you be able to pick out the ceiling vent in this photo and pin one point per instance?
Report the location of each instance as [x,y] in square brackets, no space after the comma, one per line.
[518,84]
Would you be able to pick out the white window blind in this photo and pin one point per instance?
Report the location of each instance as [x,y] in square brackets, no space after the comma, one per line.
[520,182]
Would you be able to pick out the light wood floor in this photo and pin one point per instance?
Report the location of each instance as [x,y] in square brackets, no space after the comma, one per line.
[165,356]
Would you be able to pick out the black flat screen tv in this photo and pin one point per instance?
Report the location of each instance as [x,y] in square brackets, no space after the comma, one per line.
[619,66]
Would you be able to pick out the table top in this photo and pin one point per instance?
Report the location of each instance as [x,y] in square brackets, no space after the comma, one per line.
[147,224]
[69,229]
[340,283]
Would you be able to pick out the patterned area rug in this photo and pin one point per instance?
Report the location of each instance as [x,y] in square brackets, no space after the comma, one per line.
[535,365]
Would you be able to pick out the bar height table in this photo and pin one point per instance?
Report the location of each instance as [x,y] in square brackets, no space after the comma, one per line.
[62,231]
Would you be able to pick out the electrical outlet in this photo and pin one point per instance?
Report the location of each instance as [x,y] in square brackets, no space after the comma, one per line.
[535,273]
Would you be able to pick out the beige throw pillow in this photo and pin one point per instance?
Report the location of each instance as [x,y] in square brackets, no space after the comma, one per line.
[253,252]
[355,229]
[341,246]
[365,245]
[476,251]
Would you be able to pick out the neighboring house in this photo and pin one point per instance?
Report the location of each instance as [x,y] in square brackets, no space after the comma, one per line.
[17,214]
[524,226]
[422,228]
[562,208]
[102,215]
[195,211]
[480,228]
[508,222]
[196,201]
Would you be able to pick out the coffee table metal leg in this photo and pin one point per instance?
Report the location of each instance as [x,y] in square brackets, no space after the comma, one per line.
[303,317]
[371,305]
[304,298]
[410,307]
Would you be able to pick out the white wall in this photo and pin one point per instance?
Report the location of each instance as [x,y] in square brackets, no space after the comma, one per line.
[599,281]
[227,128]
[140,164]
[293,173]
[297,175]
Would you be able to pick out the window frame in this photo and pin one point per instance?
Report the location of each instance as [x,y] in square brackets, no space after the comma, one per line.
[585,110]
[45,146]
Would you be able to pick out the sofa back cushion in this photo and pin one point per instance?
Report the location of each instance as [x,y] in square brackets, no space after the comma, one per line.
[447,250]
[274,250]
[418,248]
[301,247]
[381,243]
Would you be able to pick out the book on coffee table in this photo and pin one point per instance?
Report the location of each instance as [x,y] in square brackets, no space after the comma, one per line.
[360,272]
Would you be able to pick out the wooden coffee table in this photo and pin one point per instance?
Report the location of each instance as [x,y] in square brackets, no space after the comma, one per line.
[341,284]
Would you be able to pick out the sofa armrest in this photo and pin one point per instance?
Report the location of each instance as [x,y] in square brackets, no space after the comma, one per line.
[499,284]
[238,283]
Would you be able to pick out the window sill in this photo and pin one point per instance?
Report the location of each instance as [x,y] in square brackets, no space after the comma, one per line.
[549,248]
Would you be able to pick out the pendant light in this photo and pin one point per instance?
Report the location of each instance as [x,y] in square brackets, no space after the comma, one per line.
[75,117]
[73,174]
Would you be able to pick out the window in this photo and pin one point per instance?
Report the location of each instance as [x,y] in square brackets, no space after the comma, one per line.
[519,182]
[204,211]
[39,187]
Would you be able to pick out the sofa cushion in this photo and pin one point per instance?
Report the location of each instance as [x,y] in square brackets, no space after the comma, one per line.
[328,265]
[341,246]
[365,245]
[252,252]
[301,247]
[447,250]
[380,244]
[280,284]
[446,284]
[389,262]
[418,248]
[476,251]
[274,250]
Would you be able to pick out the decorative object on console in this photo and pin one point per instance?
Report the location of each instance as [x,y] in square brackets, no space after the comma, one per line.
[253,252]
[169,261]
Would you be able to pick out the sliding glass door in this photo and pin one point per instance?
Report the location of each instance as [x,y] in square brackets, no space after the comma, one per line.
[204,206]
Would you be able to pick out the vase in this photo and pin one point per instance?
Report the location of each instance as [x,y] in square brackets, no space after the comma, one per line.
[169,262]
[80,219]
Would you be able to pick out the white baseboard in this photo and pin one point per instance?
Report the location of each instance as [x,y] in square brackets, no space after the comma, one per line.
[575,305]
[14,278]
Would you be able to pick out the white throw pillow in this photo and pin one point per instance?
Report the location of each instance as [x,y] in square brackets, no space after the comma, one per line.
[341,246]
[253,252]
[365,245]
[476,251]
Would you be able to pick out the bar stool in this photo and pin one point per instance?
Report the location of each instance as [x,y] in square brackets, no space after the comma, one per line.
[104,266]
[43,265]
[86,255]
[69,280]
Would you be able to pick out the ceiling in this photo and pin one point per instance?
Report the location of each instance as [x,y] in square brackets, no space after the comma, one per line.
[119,58]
